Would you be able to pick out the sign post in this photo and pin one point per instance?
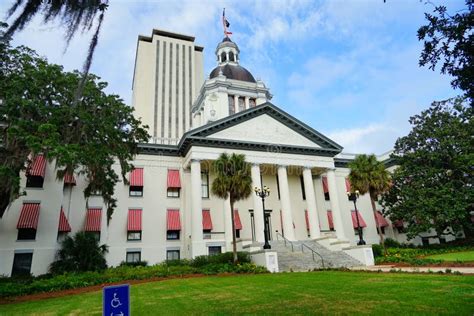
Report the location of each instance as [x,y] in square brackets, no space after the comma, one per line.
[116,300]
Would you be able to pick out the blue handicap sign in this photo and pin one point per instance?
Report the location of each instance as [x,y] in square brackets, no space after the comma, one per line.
[116,300]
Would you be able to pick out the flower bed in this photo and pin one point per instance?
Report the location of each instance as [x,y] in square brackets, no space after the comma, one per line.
[49,283]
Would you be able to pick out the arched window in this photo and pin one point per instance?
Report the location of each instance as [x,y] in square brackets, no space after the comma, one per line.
[231,56]
[231,105]
[252,102]
[223,57]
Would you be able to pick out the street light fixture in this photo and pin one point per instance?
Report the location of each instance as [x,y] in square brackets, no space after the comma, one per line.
[263,193]
[353,196]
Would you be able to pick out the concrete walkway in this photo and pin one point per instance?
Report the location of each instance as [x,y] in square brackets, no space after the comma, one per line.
[389,268]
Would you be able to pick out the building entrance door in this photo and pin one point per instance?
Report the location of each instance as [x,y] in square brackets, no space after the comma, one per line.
[268,223]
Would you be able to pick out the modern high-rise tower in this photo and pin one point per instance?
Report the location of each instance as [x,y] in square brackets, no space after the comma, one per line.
[167,77]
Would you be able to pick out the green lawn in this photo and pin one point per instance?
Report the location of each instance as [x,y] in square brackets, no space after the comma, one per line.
[289,293]
[454,256]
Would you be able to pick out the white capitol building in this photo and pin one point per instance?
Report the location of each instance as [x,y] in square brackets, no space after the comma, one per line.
[168,211]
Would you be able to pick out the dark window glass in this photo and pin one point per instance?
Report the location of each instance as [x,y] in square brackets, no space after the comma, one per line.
[26,234]
[425,241]
[172,254]
[237,233]
[326,196]
[172,235]
[134,235]
[136,191]
[223,57]
[173,192]
[303,193]
[231,104]
[133,256]
[22,264]
[95,234]
[215,250]
[231,56]
[278,186]
[206,234]
[381,229]
[34,182]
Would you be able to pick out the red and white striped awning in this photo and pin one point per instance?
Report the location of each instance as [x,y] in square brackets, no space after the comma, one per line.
[330,219]
[37,167]
[325,185]
[206,220]
[348,185]
[136,177]
[69,179]
[134,222]
[93,220]
[29,216]
[306,219]
[64,226]
[237,222]
[172,220]
[381,221]
[354,219]
[174,181]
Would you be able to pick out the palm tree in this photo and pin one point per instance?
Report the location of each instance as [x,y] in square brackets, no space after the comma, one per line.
[233,181]
[368,175]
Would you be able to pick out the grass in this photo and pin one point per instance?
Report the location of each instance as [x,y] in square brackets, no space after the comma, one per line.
[465,256]
[288,293]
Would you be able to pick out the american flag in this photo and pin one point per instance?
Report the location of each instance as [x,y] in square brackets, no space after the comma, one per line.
[225,23]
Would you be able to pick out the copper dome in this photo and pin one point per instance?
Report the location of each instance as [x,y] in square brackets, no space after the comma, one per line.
[235,72]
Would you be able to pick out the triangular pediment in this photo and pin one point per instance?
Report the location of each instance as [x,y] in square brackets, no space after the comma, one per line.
[258,127]
[264,129]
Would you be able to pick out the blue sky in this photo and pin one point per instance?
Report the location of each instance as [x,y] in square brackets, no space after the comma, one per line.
[349,69]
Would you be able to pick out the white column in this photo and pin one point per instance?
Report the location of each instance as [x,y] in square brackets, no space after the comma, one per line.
[247,103]
[311,201]
[336,210]
[236,103]
[197,242]
[257,205]
[227,225]
[286,204]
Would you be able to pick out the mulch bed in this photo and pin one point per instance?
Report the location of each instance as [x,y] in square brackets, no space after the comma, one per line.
[94,288]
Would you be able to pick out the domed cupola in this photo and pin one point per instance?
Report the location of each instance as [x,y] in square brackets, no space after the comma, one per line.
[227,53]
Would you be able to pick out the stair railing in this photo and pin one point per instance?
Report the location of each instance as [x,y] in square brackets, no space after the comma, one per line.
[286,241]
[303,245]
[313,252]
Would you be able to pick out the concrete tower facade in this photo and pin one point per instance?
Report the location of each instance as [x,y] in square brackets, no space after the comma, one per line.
[167,77]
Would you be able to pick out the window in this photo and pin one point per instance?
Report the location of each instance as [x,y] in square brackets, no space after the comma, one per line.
[302,188]
[381,229]
[425,241]
[215,250]
[34,182]
[206,234]
[223,57]
[237,233]
[231,105]
[173,193]
[442,240]
[356,231]
[231,56]
[95,234]
[278,186]
[241,104]
[26,234]
[133,256]
[204,185]
[61,236]
[252,102]
[136,191]
[400,229]
[172,235]
[172,254]
[135,235]
[22,264]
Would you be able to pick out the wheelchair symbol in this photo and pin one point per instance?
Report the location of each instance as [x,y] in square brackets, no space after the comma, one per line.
[115,302]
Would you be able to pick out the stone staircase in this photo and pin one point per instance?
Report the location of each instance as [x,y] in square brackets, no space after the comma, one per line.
[301,258]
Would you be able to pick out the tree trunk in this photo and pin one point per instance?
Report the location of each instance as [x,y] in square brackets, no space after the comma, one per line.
[234,242]
[379,230]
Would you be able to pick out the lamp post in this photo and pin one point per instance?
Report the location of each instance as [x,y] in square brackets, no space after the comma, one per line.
[353,196]
[263,193]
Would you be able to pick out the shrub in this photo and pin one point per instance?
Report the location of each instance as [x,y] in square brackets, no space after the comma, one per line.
[227,257]
[391,243]
[377,250]
[79,253]
[134,264]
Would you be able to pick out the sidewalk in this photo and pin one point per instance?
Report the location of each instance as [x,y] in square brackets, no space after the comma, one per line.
[389,268]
